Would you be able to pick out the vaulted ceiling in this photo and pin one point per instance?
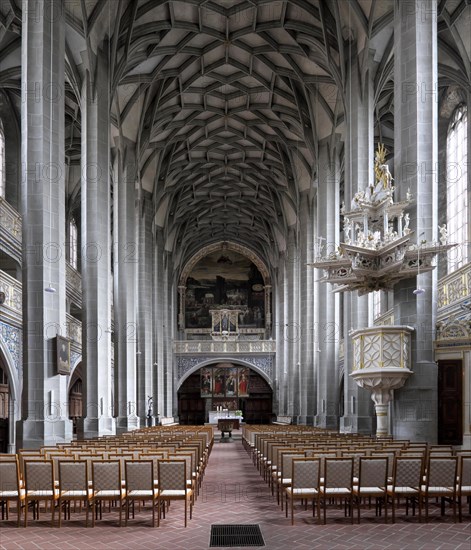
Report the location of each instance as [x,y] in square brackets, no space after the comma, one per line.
[227,100]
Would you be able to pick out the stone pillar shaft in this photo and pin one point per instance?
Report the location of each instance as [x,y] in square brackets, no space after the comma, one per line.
[44,398]
[416,156]
[126,342]
[327,226]
[96,259]
[359,161]
[145,360]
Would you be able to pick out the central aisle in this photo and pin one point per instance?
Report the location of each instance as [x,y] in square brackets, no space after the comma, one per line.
[233,492]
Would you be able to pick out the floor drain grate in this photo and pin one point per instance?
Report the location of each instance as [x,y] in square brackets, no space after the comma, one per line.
[236,535]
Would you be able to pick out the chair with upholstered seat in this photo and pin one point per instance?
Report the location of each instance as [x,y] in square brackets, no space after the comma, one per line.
[464,483]
[284,480]
[338,482]
[372,482]
[440,482]
[40,486]
[406,483]
[305,484]
[10,487]
[173,485]
[73,487]
[106,486]
[139,477]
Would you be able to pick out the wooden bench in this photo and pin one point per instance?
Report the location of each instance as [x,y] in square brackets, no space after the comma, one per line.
[283,420]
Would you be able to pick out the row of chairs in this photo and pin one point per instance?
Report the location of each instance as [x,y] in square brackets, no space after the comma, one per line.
[273,452]
[140,482]
[446,478]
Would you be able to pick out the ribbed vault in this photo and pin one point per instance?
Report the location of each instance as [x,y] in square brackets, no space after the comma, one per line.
[226,100]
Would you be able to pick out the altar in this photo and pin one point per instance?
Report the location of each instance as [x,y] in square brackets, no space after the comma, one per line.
[214,416]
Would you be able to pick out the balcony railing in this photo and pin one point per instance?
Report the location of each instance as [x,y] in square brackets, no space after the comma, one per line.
[455,287]
[10,220]
[211,346]
[386,318]
[12,289]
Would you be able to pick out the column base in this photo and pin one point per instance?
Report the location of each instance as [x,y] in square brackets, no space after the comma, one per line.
[33,434]
[127,424]
[466,442]
[305,420]
[328,422]
[95,427]
[356,424]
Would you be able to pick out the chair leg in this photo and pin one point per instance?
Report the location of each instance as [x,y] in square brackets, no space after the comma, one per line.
[26,511]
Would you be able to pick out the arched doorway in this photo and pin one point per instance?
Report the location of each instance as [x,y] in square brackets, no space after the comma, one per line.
[225,385]
[75,396]
[4,410]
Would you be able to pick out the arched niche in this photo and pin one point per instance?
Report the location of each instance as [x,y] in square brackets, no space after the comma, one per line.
[7,365]
[242,387]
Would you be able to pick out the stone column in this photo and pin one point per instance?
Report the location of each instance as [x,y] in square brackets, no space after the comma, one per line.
[415,154]
[158,327]
[96,253]
[44,398]
[145,359]
[279,405]
[306,292]
[125,250]
[327,226]
[359,161]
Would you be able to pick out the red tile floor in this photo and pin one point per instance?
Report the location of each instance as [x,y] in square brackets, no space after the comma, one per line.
[233,492]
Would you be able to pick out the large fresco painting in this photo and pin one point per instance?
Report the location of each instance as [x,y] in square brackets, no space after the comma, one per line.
[228,280]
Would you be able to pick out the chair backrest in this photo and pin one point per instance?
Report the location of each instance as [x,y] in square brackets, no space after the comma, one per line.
[323,455]
[338,473]
[373,471]
[9,475]
[139,475]
[356,455]
[188,458]
[106,475]
[465,470]
[172,475]
[390,456]
[287,461]
[442,471]
[408,471]
[73,475]
[305,473]
[39,475]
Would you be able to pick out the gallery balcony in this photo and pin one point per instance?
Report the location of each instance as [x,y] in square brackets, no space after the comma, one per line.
[227,347]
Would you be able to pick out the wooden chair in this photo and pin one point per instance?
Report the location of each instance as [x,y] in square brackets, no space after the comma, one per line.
[173,486]
[73,487]
[10,487]
[464,483]
[285,473]
[407,480]
[39,486]
[440,482]
[139,477]
[106,486]
[338,482]
[305,484]
[372,482]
